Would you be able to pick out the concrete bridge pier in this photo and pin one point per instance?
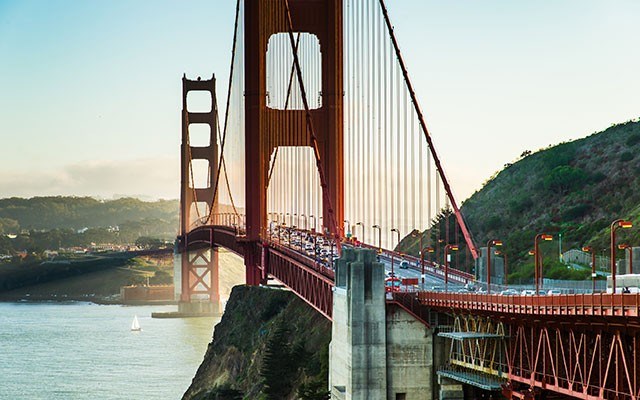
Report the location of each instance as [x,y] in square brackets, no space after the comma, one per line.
[377,351]
[198,293]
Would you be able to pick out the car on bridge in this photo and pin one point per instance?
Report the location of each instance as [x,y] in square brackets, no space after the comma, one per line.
[392,284]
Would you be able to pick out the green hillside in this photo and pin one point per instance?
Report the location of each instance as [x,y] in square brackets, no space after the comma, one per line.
[576,188]
[41,223]
[79,212]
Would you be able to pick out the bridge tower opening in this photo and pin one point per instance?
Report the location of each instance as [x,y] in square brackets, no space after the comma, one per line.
[267,128]
[198,272]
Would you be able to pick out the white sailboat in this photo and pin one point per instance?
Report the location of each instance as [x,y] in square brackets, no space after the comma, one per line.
[135,325]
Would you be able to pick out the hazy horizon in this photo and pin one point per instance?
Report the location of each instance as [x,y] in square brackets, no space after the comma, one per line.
[91,92]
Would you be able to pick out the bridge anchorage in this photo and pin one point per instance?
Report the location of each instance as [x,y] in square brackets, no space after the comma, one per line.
[323,161]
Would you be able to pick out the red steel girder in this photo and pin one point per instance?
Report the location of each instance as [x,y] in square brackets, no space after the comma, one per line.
[622,307]
[586,364]
[307,282]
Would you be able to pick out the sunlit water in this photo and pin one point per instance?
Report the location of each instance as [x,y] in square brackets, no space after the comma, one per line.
[87,351]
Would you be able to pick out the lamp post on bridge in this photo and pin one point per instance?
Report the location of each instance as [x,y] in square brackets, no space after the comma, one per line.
[538,259]
[591,250]
[379,237]
[628,247]
[418,234]
[490,243]
[619,223]
[413,235]
[394,250]
[362,225]
[427,249]
[504,255]
[452,247]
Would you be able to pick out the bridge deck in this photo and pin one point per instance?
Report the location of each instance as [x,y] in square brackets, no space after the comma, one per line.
[599,304]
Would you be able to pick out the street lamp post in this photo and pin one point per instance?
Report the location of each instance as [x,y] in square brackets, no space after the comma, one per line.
[394,250]
[591,250]
[504,255]
[422,251]
[419,234]
[619,223]
[362,225]
[628,247]
[490,243]
[538,259]
[379,237]
[452,247]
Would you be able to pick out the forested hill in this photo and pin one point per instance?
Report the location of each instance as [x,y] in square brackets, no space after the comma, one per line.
[576,188]
[47,213]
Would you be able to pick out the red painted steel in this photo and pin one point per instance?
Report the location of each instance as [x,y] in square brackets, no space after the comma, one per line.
[600,304]
[199,278]
[414,100]
[310,282]
[583,346]
[267,128]
[586,362]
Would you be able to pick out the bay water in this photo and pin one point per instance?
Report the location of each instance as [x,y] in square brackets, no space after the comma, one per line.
[87,351]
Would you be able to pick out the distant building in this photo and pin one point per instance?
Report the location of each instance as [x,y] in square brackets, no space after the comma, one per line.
[133,294]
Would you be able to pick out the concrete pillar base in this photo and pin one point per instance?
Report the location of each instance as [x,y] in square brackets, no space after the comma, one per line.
[193,309]
[450,390]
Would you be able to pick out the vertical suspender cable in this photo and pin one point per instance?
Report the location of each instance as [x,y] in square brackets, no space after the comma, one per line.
[392,153]
[437,194]
[414,147]
[379,188]
[420,198]
[226,116]
[360,152]
[399,154]
[368,128]
[385,95]
[337,229]
[414,100]
[405,139]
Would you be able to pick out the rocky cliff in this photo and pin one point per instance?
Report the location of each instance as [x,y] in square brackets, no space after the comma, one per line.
[268,345]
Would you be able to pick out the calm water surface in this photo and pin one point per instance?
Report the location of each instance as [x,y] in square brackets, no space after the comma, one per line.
[87,351]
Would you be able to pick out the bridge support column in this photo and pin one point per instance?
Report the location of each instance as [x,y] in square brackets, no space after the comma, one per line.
[357,353]
[253,274]
[377,351]
[197,284]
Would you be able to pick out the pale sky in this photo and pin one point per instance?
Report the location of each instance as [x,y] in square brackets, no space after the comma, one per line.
[90,92]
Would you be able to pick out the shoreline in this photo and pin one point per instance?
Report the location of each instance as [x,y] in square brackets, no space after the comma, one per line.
[82,299]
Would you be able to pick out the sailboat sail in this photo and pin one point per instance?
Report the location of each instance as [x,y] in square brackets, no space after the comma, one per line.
[135,325]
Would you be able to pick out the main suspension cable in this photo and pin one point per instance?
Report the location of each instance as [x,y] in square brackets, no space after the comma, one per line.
[423,126]
[226,113]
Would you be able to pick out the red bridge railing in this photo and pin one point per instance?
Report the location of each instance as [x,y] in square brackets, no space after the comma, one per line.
[599,304]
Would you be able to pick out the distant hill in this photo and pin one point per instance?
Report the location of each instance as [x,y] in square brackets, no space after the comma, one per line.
[46,213]
[576,188]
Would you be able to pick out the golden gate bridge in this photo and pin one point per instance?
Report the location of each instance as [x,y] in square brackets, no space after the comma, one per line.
[323,147]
